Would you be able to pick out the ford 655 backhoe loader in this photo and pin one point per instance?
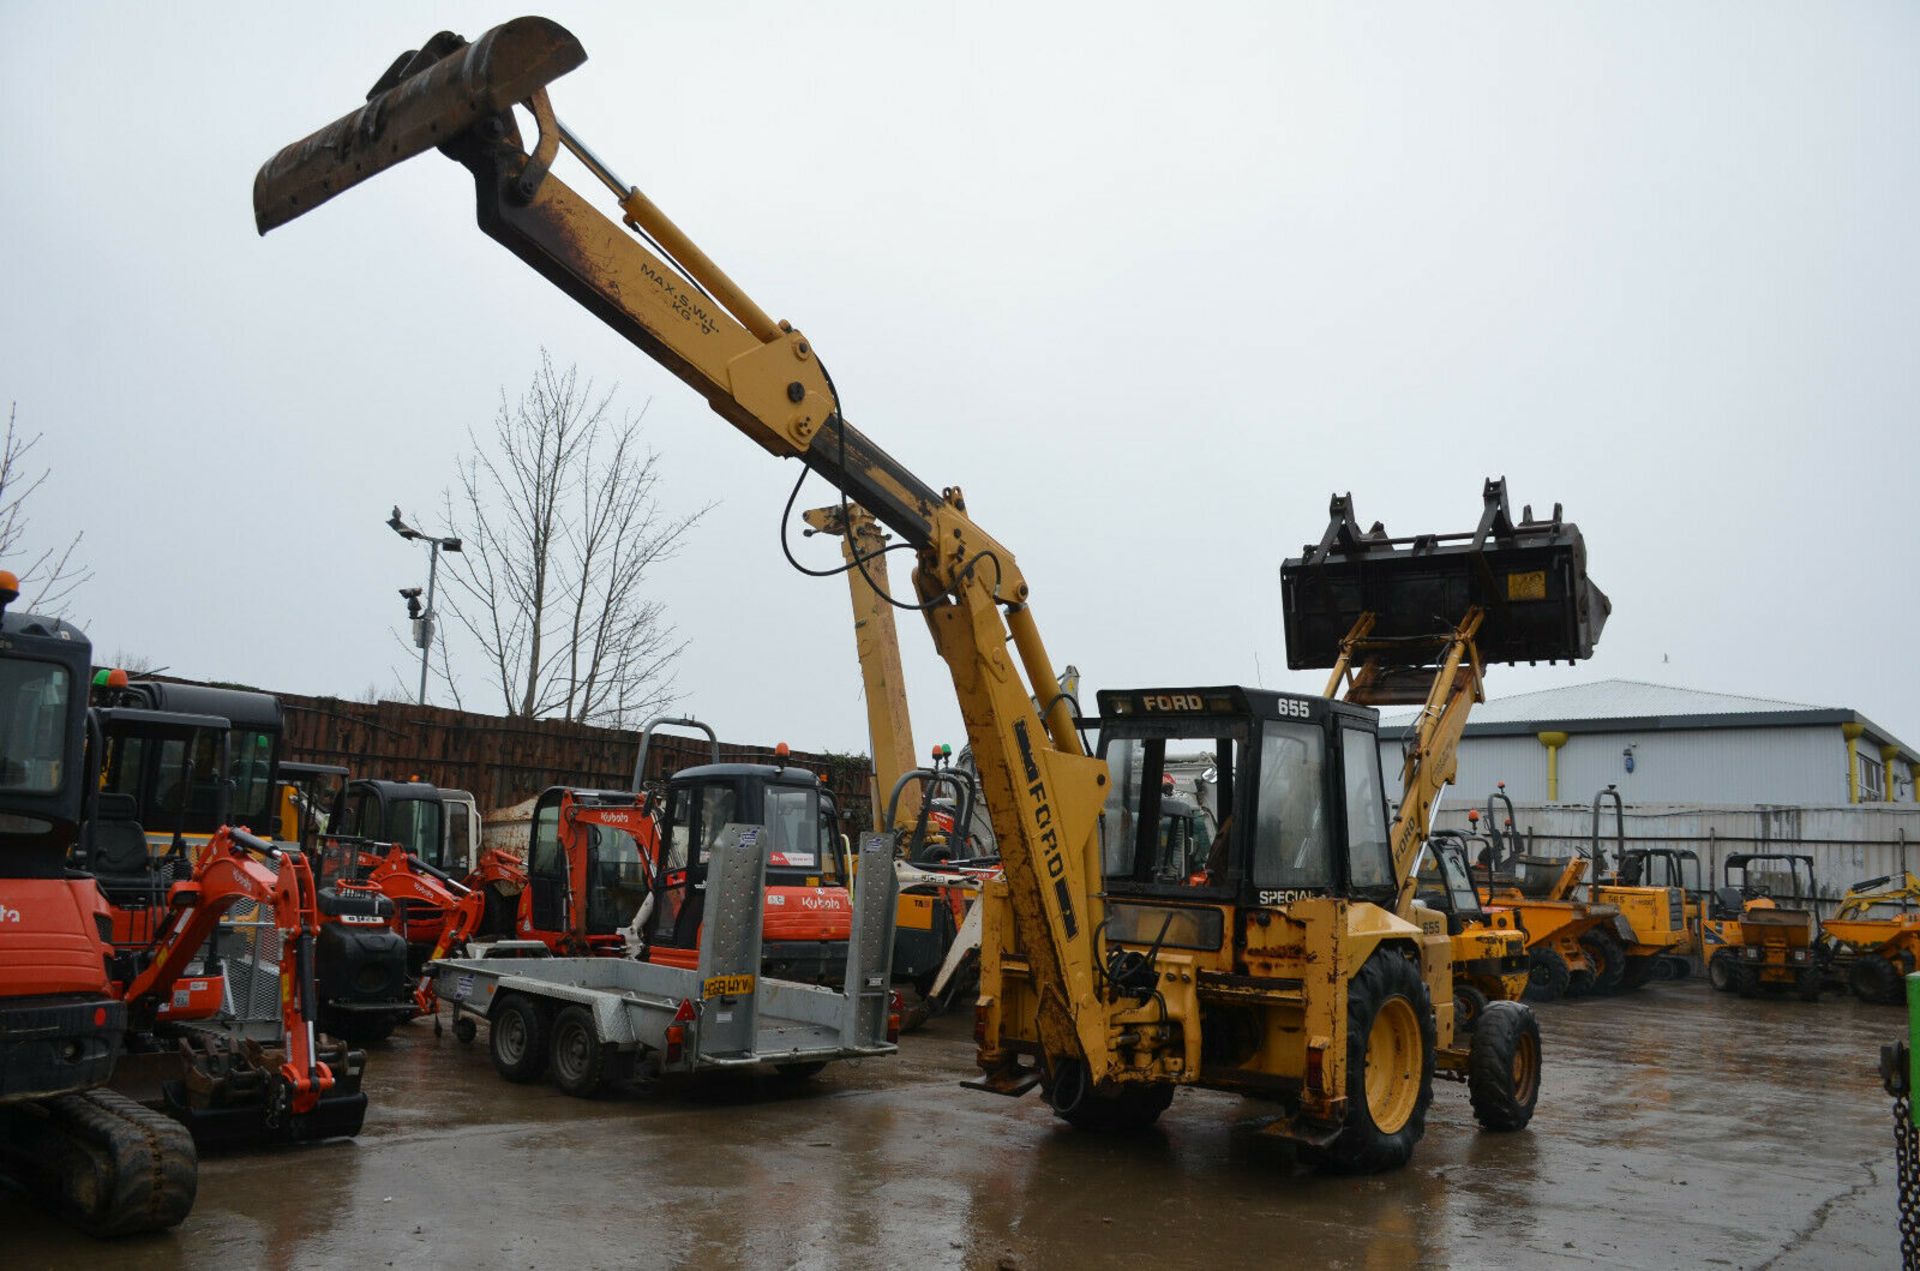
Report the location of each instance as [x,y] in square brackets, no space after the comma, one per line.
[1299,969]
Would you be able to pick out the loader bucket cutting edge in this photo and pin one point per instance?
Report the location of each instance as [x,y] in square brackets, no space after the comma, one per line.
[428,108]
[1530,578]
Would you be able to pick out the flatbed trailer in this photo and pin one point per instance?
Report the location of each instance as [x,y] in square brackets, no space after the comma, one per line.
[596,1021]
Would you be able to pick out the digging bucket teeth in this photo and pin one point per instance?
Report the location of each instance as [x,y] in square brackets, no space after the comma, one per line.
[1530,578]
[428,97]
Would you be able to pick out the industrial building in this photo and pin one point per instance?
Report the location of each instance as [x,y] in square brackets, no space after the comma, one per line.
[1664,745]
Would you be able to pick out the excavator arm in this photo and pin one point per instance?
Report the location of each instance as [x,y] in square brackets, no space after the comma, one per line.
[234,867]
[765,378]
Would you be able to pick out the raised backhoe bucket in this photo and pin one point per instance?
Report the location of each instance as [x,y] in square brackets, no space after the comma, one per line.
[427,98]
[1528,577]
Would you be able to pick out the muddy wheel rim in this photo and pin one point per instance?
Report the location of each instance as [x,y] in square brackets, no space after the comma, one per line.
[1526,1068]
[510,1037]
[1393,1065]
[570,1051]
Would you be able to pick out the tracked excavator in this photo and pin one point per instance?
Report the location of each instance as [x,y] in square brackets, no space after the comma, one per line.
[85,998]
[1299,971]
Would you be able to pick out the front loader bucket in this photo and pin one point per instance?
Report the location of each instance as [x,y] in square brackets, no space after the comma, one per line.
[1529,577]
[427,98]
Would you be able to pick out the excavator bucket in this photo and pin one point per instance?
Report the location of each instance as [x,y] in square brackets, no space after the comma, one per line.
[1528,577]
[428,97]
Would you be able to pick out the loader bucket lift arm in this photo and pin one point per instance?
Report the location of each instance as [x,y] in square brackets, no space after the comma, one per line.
[763,377]
[1402,621]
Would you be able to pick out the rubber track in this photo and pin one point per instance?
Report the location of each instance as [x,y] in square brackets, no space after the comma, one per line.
[112,1167]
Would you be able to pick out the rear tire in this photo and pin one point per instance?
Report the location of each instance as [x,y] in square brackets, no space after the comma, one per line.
[517,1040]
[1503,1067]
[1389,1087]
[1547,976]
[1608,959]
[1874,979]
[577,1057]
[1809,983]
[1469,1004]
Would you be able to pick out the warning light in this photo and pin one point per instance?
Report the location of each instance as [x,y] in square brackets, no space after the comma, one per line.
[1473,816]
[781,750]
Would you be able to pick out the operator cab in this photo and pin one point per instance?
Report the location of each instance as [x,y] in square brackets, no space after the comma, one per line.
[1785,879]
[802,825]
[1298,798]
[43,735]
[617,876]
[177,781]
[409,813]
[1444,881]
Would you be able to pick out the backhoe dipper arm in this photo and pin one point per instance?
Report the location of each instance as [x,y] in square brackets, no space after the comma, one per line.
[765,378]
[231,869]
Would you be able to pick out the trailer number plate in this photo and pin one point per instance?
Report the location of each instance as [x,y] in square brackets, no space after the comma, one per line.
[1531,586]
[726,986]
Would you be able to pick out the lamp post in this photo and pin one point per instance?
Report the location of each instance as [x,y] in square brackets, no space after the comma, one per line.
[423,617]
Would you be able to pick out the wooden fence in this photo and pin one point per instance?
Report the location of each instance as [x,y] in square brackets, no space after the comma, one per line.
[504,760]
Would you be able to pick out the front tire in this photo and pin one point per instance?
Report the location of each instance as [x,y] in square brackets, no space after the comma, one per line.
[1390,1046]
[1607,958]
[1547,976]
[1128,1109]
[356,1029]
[1721,972]
[1503,1067]
[517,1040]
[1469,1004]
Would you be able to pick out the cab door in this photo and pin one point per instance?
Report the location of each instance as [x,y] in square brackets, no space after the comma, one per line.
[547,867]
[696,813]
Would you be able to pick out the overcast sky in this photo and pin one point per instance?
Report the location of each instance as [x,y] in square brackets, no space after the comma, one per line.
[1149,282]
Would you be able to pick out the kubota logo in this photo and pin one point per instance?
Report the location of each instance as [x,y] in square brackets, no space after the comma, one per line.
[9,915]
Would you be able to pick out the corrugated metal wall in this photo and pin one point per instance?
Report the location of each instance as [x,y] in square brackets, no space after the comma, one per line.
[1705,765]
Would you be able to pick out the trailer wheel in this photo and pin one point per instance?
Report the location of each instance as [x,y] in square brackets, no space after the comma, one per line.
[1390,1046]
[1607,959]
[579,1058]
[517,1039]
[465,1030]
[1469,1004]
[1503,1067]
[1547,976]
[1874,979]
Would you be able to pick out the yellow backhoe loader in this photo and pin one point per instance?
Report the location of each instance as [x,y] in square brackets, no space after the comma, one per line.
[1300,971]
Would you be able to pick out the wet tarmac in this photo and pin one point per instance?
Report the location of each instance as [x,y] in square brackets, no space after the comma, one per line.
[1677,1128]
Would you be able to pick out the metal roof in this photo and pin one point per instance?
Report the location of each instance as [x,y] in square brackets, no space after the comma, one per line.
[1636,705]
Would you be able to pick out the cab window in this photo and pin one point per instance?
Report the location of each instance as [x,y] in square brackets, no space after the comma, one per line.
[1291,840]
[544,857]
[699,813]
[1147,836]
[35,739]
[1369,851]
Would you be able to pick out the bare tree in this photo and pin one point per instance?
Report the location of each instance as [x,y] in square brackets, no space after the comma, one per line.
[50,576]
[563,525]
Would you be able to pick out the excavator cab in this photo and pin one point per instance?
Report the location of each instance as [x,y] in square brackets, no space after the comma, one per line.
[808,912]
[1444,881]
[1303,811]
[617,876]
